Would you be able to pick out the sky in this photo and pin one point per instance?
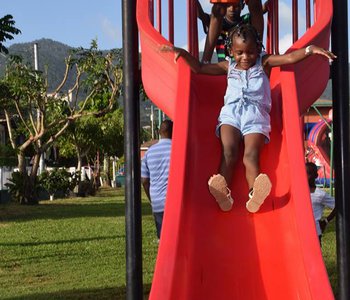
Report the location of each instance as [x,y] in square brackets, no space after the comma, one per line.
[77,22]
[72,22]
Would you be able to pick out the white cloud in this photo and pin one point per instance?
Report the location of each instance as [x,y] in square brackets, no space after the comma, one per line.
[110,30]
[286,19]
[285,42]
[285,14]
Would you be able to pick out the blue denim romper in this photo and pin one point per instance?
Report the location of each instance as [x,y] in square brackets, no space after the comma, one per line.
[247,102]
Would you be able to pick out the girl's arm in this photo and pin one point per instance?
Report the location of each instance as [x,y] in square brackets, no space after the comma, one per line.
[195,65]
[270,61]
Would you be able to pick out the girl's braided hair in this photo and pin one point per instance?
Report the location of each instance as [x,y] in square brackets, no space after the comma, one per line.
[245,31]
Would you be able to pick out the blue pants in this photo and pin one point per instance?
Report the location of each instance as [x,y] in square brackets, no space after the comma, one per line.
[158,218]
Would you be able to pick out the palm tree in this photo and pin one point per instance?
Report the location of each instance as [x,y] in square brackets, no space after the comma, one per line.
[7,30]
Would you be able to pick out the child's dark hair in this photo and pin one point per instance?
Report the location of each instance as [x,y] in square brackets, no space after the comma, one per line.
[245,31]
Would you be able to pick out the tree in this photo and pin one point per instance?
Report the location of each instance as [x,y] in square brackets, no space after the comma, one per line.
[7,30]
[112,140]
[80,139]
[90,135]
[40,118]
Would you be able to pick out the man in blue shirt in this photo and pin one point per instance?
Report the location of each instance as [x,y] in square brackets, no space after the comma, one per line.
[155,172]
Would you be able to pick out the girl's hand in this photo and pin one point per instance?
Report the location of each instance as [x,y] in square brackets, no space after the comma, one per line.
[320,51]
[175,50]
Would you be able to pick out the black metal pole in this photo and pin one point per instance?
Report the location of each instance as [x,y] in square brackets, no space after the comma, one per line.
[340,84]
[134,286]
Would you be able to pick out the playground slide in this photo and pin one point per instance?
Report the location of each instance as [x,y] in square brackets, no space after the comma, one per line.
[205,253]
[318,150]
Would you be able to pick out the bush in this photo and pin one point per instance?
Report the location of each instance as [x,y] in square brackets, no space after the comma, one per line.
[57,180]
[22,189]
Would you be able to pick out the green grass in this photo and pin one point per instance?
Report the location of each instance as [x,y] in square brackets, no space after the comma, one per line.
[329,251]
[75,248]
[70,248]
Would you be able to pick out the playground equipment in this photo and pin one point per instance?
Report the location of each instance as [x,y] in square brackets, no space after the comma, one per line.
[205,253]
[319,150]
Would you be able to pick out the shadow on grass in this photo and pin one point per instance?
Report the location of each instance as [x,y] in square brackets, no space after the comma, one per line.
[100,294]
[20,213]
[64,241]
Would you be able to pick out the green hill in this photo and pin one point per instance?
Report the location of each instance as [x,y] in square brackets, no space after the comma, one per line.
[51,55]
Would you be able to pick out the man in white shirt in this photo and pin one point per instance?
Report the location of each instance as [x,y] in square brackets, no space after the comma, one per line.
[320,200]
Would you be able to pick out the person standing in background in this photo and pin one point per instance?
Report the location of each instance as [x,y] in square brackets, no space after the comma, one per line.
[155,172]
[319,200]
[225,17]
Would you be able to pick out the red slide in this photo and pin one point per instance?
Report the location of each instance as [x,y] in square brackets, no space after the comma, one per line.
[205,253]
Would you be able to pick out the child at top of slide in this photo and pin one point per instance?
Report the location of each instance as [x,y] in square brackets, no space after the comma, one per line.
[224,17]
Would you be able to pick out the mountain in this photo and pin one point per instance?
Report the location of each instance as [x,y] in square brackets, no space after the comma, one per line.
[51,56]
[51,59]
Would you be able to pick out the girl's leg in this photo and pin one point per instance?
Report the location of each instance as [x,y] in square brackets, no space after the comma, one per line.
[230,140]
[218,184]
[259,184]
[253,144]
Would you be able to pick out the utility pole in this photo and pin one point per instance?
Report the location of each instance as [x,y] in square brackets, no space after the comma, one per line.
[36,67]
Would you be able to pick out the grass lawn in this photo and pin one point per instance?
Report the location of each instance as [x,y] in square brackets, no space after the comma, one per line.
[70,248]
[75,248]
[329,251]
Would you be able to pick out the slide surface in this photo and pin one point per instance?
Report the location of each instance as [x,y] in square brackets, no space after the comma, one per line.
[205,253]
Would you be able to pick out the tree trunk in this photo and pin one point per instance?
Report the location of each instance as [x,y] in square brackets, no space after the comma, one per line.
[80,162]
[21,163]
[35,167]
[106,170]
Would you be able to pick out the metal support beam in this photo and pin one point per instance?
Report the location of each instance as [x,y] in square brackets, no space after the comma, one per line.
[134,285]
[341,125]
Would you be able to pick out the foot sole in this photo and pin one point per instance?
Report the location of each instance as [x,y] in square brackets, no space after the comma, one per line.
[261,189]
[218,188]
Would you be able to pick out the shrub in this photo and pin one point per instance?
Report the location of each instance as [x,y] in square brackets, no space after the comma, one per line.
[22,189]
[57,180]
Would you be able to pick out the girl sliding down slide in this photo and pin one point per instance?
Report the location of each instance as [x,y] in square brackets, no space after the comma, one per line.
[245,114]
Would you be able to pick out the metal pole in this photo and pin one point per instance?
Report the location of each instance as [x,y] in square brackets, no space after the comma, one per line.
[152,121]
[36,68]
[331,179]
[36,64]
[340,76]
[134,286]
